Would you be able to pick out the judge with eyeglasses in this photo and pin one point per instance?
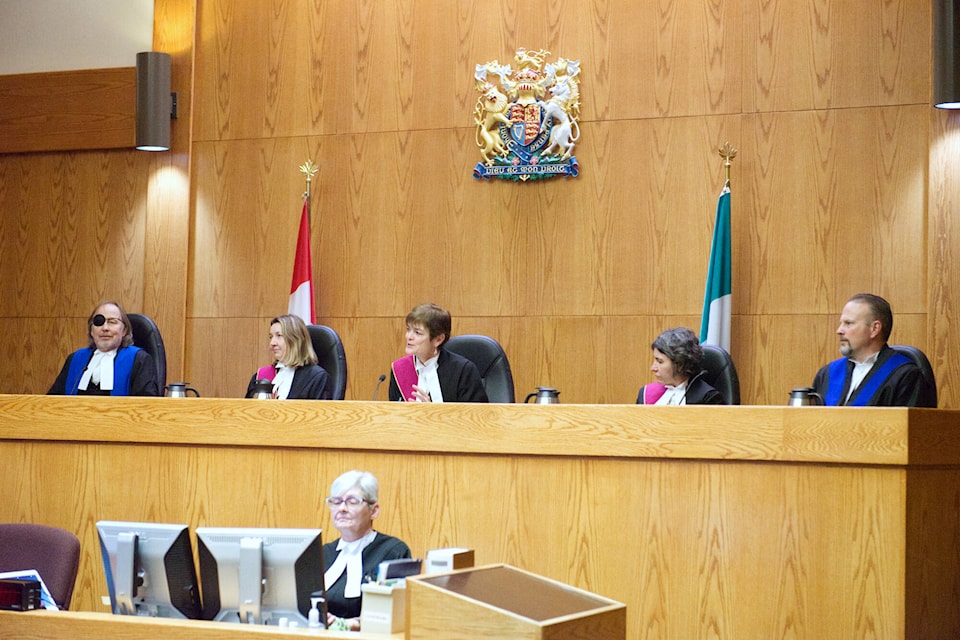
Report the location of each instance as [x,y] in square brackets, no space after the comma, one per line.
[353,559]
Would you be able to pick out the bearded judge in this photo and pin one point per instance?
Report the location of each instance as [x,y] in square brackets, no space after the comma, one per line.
[109,365]
[870,373]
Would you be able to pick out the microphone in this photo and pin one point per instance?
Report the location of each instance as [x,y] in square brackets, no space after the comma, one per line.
[380,380]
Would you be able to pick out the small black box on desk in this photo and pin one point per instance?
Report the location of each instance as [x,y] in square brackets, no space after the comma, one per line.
[19,595]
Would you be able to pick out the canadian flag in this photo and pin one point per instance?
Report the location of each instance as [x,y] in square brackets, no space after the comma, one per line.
[301,288]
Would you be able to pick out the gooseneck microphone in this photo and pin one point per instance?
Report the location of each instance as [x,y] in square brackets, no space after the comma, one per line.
[380,380]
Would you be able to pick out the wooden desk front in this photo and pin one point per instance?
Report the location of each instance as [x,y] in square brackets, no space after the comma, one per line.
[731,522]
[55,625]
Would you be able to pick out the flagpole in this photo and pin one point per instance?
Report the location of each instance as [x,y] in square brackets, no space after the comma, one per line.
[309,170]
[728,153]
[302,300]
[717,296]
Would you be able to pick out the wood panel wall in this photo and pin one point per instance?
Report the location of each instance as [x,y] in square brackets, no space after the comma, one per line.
[79,227]
[89,109]
[840,186]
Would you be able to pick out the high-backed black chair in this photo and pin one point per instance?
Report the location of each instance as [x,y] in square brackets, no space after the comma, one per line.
[721,374]
[928,389]
[492,362]
[330,356]
[147,336]
[53,552]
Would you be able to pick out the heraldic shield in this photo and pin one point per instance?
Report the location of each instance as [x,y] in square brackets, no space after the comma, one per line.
[527,118]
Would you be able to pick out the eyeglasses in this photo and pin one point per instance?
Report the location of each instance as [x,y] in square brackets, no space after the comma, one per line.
[350,501]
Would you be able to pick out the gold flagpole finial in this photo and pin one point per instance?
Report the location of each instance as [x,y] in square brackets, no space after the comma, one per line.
[728,153]
[309,170]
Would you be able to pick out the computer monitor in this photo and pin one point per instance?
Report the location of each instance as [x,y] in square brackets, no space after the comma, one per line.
[259,576]
[150,569]
[398,569]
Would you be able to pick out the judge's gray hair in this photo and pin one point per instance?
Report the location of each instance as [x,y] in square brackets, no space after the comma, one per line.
[364,480]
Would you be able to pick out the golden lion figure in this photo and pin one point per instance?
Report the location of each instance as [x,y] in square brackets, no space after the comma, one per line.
[490,111]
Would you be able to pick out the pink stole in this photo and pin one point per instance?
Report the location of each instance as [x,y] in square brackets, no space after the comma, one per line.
[653,392]
[266,373]
[405,373]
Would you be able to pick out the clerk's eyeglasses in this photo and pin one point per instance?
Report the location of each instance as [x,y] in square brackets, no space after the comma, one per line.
[350,501]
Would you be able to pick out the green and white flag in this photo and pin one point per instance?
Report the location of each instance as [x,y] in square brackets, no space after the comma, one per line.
[715,322]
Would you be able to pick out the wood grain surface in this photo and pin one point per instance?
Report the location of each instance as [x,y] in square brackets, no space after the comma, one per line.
[64,110]
[843,183]
[764,523]
[814,434]
[501,602]
[46,625]
[713,537]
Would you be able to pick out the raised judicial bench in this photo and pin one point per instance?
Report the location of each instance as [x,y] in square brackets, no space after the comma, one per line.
[745,522]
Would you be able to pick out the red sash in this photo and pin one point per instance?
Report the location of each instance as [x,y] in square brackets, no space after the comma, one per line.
[405,373]
[266,373]
[653,392]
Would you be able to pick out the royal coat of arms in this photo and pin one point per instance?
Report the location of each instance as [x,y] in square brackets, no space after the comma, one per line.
[527,118]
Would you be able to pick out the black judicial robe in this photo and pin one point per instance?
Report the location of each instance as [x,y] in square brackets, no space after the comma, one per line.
[382,548]
[899,387]
[310,382]
[698,392]
[459,380]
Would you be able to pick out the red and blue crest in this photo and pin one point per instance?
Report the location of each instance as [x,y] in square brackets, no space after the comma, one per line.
[527,118]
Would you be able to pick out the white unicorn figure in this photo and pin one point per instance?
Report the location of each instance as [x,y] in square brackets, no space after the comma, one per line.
[562,108]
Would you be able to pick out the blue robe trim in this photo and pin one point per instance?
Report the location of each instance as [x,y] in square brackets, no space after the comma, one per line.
[122,368]
[838,374]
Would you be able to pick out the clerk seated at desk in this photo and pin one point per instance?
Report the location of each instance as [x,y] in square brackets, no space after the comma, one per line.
[353,559]
[110,364]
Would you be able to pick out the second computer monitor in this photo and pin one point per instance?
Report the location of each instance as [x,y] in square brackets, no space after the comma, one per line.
[259,575]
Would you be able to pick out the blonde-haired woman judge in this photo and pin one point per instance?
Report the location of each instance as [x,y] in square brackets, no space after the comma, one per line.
[294,373]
